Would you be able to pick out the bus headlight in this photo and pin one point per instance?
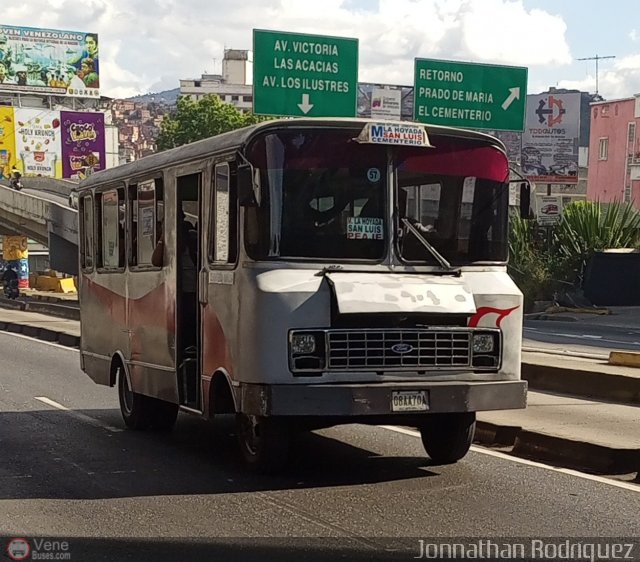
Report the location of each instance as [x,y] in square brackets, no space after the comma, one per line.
[485,346]
[483,343]
[307,352]
[303,344]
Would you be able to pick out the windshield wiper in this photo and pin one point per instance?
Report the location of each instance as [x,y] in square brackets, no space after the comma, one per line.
[441,259]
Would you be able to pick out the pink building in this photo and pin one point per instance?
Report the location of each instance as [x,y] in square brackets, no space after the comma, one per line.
[614,151]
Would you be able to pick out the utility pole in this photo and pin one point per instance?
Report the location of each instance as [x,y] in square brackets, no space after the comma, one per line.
[598,58]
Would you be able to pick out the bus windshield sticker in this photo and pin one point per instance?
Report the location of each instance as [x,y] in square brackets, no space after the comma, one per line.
[395,134]
[373,175]
[365,228]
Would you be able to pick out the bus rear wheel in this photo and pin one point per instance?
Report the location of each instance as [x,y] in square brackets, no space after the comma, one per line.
[264,442]
[448,437]
[143,412]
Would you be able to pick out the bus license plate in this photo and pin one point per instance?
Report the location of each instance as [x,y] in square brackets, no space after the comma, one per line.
[409,401]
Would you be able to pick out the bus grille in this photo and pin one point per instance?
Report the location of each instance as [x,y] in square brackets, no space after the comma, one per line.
[399,349]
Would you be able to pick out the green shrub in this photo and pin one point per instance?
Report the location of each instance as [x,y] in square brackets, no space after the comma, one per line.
[541,266]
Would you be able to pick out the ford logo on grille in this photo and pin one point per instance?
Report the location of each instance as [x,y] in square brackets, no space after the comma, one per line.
[402,348]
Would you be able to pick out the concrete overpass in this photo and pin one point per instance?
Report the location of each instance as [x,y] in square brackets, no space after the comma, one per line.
[41,212]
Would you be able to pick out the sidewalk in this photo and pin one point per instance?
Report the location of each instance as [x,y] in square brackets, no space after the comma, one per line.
[590,435]
[590,422]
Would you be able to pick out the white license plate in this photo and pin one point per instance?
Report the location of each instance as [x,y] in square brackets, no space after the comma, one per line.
[409,401]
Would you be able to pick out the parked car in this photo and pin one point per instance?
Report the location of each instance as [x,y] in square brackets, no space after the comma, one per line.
[73,198]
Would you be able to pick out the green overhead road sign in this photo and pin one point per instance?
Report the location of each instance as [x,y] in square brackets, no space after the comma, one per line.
[304,75]
[477,96]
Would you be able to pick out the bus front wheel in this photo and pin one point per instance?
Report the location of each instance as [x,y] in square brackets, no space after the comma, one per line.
[264,442]
[143,412]
[448,437]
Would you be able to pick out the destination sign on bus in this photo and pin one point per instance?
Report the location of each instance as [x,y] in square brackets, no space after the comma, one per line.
[395,133]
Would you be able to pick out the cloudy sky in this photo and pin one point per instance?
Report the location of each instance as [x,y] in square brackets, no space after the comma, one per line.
[148,45]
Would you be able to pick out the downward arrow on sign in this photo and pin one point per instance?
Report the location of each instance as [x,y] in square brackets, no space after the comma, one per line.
[305,106]
[513,96]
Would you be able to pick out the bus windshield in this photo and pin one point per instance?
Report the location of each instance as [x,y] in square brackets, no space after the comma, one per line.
[324,197]
[457,197]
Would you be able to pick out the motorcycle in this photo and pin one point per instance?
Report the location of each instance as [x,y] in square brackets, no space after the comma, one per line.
[11,289]
[16,184]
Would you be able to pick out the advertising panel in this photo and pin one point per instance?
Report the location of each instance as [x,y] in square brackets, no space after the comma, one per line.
[550,139]
[386,104]
[7,142]
[549,209]
[83,144]
[38,142]
[398,106]
[49,61]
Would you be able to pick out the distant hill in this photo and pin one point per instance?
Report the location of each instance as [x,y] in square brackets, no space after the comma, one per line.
[168,96]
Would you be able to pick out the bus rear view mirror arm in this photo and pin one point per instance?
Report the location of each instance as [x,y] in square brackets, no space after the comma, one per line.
[248,185]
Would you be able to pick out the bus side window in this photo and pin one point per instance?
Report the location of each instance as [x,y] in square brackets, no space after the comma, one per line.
[111,218]
[133,225]
[86,243]
[223,229]
[147,212]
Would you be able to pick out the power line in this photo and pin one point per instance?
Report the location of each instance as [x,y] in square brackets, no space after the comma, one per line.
[598,58]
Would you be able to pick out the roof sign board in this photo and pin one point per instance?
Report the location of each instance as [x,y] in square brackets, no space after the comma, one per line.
[304,75]
[477,96]
[395,134]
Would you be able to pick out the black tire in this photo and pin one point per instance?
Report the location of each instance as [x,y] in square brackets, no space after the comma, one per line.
[141,412]
[448,437]
[264,442]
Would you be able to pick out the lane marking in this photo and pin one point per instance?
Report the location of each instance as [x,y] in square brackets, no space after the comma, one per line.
[483,451]
[78,415]
[51,343]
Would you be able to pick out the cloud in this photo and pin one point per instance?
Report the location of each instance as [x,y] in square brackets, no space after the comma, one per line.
[621,80]
[148,43]
[633,35]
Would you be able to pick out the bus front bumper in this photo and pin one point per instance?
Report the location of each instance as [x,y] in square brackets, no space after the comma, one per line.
[362,400]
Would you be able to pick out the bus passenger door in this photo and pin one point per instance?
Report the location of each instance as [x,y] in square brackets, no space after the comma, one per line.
[188,264]
[219,304]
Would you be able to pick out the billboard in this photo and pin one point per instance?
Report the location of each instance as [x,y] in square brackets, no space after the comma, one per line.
[49,143]
[385,102]
[83,144]
[38,142]
[7,142]
[551,137]
[49,61]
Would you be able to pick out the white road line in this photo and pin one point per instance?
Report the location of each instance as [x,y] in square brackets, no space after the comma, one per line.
[52,344]
[79,416]
[504,456]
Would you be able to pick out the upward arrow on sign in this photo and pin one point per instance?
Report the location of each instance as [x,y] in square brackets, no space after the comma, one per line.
[305,106]
[513,96]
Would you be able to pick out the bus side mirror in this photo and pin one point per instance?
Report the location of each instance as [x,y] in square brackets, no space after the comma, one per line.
[248,185]
[525,200]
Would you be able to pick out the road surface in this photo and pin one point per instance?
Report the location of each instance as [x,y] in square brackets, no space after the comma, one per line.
[580,337]
[69,470]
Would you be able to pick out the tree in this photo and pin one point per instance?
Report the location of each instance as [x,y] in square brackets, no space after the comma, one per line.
[196,120]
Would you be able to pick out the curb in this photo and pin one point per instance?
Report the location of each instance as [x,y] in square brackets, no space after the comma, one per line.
[625,358]
[45,334]
[56,309]
[584,384]
[559,451]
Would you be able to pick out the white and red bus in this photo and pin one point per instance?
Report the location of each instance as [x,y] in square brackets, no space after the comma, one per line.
[306,273]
